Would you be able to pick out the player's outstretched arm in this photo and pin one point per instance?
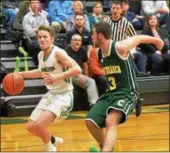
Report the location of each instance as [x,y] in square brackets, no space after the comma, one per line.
[32,74]
[123,47]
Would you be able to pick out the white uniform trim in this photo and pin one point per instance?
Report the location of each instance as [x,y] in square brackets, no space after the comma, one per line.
[89,119]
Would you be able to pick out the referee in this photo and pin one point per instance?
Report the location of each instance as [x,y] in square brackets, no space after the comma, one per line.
[121,27]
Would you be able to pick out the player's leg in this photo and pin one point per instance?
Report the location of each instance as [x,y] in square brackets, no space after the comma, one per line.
[96,132]
[38,113]
[112,122]
[58,109]
[37,125]
[95,121]
[32,128]
[41,107]
[44,119]
[117,113]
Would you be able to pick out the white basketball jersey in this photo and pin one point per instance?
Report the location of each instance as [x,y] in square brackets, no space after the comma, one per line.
[51,65]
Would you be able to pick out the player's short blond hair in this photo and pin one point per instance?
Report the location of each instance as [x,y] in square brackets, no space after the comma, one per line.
[46,28]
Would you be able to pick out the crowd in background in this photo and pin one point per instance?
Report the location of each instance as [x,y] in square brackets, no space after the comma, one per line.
[72,18]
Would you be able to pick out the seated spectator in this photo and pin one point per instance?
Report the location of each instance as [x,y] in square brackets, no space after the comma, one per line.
[140,60]
[81,30]
[96,15]
[84,6]
[97,72]
[158,61]
[31,21]
[135,6]
[160,8]
[79,54]
[107,4]
[59,11]
[10,9]
[136,20]
[44,4]
[15,32]
[77,9]
[23,10]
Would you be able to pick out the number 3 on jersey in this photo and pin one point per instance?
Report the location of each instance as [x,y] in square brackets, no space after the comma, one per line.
[112,83]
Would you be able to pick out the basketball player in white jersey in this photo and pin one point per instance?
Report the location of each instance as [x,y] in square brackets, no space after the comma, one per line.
[56,68]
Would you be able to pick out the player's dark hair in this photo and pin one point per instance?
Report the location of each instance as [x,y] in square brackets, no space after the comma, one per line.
[117,2]
[104,28]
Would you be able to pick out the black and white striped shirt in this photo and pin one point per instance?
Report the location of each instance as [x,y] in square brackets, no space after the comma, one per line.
[121,29]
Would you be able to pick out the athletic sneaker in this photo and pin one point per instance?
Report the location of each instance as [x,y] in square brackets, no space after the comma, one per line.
[93,149]
[49,149]
[58,141]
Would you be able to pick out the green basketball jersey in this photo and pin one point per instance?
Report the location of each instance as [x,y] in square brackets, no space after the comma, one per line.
[120,72]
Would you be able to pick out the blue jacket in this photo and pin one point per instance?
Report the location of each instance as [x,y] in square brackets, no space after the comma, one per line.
[59,10]
[137,23]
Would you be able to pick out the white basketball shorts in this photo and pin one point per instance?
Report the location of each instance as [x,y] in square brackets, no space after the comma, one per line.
[59,104]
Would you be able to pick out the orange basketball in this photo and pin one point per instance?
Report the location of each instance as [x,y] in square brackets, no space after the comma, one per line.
[13,83]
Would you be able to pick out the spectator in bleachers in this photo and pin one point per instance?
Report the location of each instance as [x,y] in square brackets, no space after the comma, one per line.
[136,20]
[79,54]
[84,6]
[160,8]
[23,10]
[135,6]
[158,61]
[121,30]
[97,72]
[31,21]
[44,4]
[81,30]
[77,9]
[10,9]
[96,14]
[107,5]
[15,32]
[59,11]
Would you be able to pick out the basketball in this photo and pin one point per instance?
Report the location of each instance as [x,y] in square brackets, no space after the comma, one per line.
[13,83]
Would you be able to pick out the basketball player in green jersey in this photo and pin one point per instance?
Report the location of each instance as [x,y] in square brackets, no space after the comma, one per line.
[114,106]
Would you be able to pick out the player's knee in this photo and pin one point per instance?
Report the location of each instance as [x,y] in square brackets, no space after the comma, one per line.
[30,126]
[111,121]
[39,125]
[89,124]
[113,118]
